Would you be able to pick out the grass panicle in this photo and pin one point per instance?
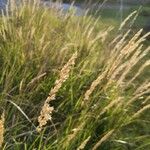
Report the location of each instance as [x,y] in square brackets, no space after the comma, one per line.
[46,112]
[2,129]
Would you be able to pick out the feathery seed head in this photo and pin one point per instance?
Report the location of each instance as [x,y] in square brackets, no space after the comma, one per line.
[46,112]
[2,129]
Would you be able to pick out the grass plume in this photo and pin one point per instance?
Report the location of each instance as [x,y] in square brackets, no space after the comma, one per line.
[2,129]
[46,112]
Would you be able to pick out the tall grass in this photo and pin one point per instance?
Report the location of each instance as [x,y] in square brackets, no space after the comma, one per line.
[99,98]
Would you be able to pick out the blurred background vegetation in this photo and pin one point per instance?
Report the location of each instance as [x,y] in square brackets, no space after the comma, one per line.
[114,11]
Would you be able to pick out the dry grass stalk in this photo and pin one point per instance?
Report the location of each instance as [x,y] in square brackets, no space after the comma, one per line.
[103,139]
[138,113]
[116,65]
[133,51]
[120,43]
[46,112]
[134,19]
[145,85]
[35,80]
[21,86]
[119,55]
[111,104]
[115,40]
[102,35]
[73,135]
[83,144]
[117,72]
[63,76]
[146,64]
[131,63]
[146,100]
[105,34]
[138,96]
[132,44]
[2,129]
[94,84]
[126,20]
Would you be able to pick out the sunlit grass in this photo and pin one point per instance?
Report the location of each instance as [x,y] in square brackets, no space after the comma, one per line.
[100,100]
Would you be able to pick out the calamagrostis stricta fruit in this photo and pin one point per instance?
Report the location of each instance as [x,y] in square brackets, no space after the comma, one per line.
[2,129]
[74,134]
[126,20]
[141,90]
[83,144]
[146,100]
[46,112]
[94,84]
[103,139]
[138,113]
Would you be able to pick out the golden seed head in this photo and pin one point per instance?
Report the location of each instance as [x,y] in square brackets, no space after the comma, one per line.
[2,129]
[46,112]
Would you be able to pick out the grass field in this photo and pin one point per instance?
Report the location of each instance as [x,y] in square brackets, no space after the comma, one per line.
[72,83]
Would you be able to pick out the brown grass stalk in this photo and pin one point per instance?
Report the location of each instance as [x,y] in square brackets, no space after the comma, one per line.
[122,53]
[84,143]
[35,80]
[103,139]
[146,100]
[142,68]
[137,96]
[127,19]
[113,103]
[138,113]
[144,86]
[2,129]
[46,112]
[93,86]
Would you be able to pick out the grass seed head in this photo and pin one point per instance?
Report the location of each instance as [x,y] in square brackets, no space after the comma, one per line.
[2,129]
[46,112]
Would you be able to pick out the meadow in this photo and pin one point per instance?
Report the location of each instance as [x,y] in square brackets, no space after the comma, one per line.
[72,82]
